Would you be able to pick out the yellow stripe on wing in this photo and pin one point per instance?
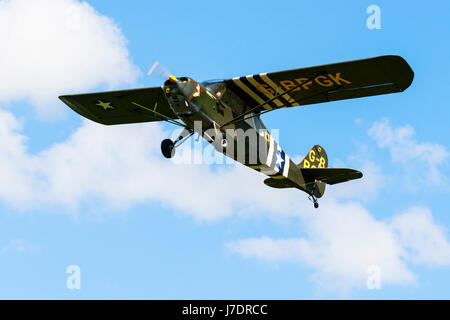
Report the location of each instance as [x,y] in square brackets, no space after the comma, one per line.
[246,89]
[278,89]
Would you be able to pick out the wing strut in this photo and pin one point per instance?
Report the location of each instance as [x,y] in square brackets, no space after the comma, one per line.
[165,118]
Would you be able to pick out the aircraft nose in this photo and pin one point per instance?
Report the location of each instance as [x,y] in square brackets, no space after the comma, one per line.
[179,85]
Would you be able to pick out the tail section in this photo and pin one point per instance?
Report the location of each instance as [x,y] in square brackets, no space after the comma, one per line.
[312,175]
[316,158]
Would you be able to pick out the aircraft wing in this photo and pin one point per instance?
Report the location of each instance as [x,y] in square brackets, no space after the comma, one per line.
[330,82]
[124,106]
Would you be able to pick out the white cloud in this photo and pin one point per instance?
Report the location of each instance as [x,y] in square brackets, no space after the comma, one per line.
[364,189]
[16,166]
[54,47]
[421,160]
[423,239]
[20,246]
[342,242]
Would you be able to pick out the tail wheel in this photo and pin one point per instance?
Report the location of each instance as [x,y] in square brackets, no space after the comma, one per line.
[168,148]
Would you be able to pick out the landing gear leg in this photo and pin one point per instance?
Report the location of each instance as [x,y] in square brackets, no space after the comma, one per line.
[314,200]
[168,146]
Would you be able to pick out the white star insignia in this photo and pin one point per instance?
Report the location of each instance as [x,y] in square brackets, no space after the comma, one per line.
[280,160]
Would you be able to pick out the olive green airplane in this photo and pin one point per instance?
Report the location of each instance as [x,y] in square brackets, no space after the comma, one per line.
[226,113]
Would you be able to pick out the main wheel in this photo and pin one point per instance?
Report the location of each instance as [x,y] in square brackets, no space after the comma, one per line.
[316,205]
[168,148]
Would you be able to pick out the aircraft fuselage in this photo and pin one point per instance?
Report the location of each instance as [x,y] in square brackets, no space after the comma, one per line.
[203,110]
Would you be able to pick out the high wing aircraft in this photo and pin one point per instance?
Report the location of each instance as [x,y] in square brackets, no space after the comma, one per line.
[227,113]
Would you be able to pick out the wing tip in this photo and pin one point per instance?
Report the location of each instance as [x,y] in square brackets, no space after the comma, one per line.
[63,98]
[358,174]
[399,64]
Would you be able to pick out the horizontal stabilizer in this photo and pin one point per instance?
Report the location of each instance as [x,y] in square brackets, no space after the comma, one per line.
[279,183]
[330,175]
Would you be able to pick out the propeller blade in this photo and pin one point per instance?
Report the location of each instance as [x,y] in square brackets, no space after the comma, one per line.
[159,70]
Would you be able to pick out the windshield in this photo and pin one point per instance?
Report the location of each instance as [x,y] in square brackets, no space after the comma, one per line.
[207,83]
[212,85]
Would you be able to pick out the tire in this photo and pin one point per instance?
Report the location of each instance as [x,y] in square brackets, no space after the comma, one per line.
[168,148]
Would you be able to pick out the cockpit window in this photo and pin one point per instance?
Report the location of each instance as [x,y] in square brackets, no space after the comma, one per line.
[213,85]
[207,83]
[227,96]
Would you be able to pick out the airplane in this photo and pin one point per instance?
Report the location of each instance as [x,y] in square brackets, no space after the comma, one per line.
[227,113]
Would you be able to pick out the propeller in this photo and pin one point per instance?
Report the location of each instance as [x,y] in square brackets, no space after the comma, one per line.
[159,70]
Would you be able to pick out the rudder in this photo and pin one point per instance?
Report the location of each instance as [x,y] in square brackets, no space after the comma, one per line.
[316,158]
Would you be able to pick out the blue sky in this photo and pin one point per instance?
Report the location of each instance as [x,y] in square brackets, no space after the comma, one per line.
[140,226]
